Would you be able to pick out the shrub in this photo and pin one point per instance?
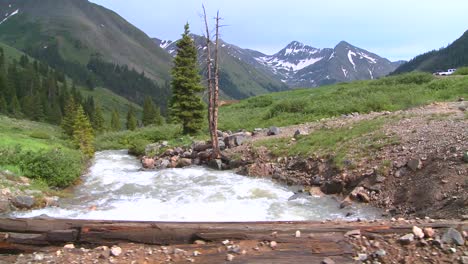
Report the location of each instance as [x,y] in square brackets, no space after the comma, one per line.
[57,168]
[287,106]
[461,71]
[39,135]
[408,78]
[137,146]
[260,101]
[9,155]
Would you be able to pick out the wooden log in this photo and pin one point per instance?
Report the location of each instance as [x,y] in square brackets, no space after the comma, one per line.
[53,231]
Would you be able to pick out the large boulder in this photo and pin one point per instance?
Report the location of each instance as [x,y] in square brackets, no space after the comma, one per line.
[184,162]
[200,146]
[215,164]
[147,163]
[236,139]
[23,201]
[4,206]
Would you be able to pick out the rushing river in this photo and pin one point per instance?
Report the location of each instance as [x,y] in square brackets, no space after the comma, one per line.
[116,189]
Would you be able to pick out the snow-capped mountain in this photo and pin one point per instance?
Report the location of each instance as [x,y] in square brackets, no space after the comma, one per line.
[300,65]
[241,75]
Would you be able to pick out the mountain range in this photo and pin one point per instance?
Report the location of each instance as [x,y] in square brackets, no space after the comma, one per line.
[300,65]
[70,34]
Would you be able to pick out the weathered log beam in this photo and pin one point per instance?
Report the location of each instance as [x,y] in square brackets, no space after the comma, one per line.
[54,231]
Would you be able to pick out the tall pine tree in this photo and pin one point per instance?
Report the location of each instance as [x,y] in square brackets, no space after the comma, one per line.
[151,113]
[115,121]
[69,118]
[131,119]
[186,104]
[83,136]
[98,121]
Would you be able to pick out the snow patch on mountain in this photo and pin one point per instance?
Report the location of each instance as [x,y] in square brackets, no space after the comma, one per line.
[371,74]
[286,65]
[165,43]
[368,57]
[350,58]
[8,16]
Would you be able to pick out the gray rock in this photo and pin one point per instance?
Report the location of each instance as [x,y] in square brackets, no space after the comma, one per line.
[362,257]
[164,164]
[414,164]
[316,180]
[221,144]
[452,236]
[235,140]
[273,131]
[200,146]
[379,253]
[300,132]
[380,179]
[464,259]
[183,162]
[23,201]
[215,164]
[406,239]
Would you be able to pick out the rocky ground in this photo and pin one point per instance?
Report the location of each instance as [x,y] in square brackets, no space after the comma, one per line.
[17,193]
[420,170]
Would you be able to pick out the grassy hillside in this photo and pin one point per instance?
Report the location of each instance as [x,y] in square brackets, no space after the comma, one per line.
[306,105]
[453,56]
[86,29]
[88,32]
[107,99]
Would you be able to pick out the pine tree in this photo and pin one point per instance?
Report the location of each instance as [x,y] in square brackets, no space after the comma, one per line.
[15,107]
[186,104]
[69,117]
[115,121]
[151,113]
[98,121]
[131,119]
[3,105]
[83,132]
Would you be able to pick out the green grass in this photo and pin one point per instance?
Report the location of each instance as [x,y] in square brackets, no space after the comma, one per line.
[307,105]
[340,144]
[26,133]
[461,71]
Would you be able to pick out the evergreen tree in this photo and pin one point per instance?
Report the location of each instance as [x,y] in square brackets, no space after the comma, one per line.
[151,113]
[98,121]
[3,105]
[115,121]
[83,132]
[69,118]
[131,119]
[54,114]
[15,107]
[186,104]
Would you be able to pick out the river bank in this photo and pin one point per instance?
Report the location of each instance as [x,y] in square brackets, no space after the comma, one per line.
[411,163]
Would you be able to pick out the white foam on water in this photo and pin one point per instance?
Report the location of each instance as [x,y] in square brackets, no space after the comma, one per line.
[116,189]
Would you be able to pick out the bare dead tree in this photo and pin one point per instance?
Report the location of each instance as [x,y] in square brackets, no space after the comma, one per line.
[213,84]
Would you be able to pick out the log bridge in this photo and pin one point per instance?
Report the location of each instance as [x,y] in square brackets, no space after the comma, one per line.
[317,240]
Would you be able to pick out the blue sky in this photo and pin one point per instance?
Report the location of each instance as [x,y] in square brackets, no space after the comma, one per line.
[396,29]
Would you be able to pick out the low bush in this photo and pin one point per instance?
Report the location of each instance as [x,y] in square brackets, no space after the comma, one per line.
[408,78]
[137,146]
[461,71]
[39,135]
[57,168]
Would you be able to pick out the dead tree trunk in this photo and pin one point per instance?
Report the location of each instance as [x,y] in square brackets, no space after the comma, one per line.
[216,151]
[213,87]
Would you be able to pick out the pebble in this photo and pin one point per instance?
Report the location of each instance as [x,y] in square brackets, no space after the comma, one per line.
[39,257]
[327,261]
[196,253]
[69,246]
[418,232]
[273,244]
[429,232]
[298,233]
[116,251]
[464,260]
[361,257]
[199,242]
[229,257]
[406,239]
